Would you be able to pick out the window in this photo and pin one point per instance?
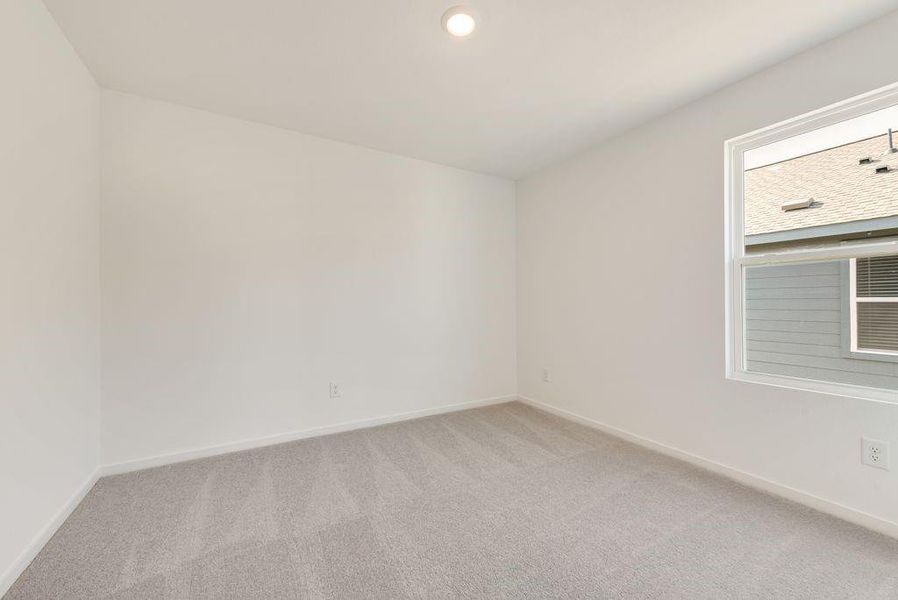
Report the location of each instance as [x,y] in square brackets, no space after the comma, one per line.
[812,250]
[874,305]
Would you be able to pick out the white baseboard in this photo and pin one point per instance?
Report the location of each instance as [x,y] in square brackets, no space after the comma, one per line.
[24,559]
[248,444]
[835,509]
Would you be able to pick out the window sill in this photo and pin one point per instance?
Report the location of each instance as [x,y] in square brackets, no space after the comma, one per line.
[872,355]
[822,387]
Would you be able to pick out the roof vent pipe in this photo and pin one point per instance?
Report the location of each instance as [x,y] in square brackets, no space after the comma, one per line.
[892,147]
[797,204]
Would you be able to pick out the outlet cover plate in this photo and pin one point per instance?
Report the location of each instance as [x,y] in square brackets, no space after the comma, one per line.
[875,453]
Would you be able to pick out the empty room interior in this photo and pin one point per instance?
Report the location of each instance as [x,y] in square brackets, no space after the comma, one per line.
[412,299]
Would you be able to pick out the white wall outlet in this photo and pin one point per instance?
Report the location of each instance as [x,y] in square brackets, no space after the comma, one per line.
[875,453]
[547,377]
[335,390]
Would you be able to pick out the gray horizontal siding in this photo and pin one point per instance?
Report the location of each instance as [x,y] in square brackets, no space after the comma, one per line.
[798,282]
[790,326]
[789,303]
[759,348]
[797,315]
[829,364]
[793,292]
[801,338]
[792,271]
[794,326]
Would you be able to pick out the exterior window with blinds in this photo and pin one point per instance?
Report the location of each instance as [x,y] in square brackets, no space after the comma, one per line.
[874,304]
[812,250]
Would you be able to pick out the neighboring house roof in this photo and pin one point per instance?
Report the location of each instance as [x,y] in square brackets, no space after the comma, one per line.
[843,190]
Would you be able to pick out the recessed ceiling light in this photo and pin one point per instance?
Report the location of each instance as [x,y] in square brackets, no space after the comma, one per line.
[459,21]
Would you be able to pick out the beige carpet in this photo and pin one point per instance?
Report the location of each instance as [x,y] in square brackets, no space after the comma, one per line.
[498,502]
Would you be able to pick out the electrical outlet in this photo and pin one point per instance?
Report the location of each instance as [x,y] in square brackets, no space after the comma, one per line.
[875,453]
[335,390]
[547,377]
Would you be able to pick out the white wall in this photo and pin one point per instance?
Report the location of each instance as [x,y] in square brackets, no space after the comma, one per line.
[49,294]
[245,267]
[621,289]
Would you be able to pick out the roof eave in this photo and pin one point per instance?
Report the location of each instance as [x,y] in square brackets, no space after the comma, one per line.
[821,231]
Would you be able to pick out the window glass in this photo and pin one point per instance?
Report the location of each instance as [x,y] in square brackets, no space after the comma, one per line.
[796,318]
[816,267]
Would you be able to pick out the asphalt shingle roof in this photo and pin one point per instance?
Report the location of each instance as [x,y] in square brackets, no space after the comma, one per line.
[842,189]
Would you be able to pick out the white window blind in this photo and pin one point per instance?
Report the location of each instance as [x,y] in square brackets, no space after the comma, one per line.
[876,297]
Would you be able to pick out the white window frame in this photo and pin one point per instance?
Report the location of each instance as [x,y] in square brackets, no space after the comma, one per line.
[853,301]
[736,259]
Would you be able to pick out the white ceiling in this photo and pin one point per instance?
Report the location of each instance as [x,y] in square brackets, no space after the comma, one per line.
[537,81]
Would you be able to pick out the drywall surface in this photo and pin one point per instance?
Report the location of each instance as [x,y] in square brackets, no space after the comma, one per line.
[49,258]
[246,267]
[621,289]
